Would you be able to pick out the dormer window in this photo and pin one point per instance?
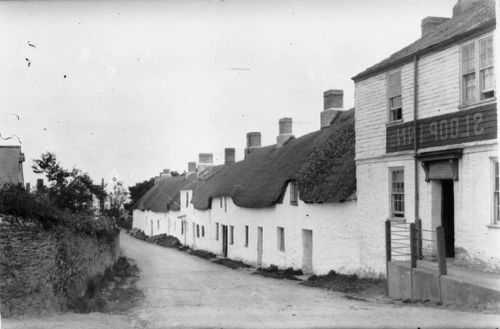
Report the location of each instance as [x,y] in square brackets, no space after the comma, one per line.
[394,96]
[478,81]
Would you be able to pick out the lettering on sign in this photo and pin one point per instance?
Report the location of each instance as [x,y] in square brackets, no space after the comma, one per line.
[460,127]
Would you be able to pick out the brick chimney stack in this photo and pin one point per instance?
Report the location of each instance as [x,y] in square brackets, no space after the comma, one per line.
[430,23]
[285,132]
[191,167]
[205,161]
[229,155]
[253,142]
[333,103]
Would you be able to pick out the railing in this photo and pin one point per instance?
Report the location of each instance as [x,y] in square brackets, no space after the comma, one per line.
[409,242]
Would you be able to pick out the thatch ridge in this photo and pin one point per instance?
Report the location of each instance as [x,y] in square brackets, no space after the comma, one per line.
[260,180]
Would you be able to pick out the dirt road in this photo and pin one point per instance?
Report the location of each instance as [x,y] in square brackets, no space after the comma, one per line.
[186,291]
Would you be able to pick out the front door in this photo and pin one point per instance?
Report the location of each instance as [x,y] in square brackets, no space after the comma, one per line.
[307,250]
[260,245]
[448,216]
[224,240]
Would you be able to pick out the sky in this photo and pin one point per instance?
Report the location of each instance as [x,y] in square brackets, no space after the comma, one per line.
[124,89]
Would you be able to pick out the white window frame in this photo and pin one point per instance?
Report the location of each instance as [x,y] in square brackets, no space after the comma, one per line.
[391,203]
[389,97]
[477,71]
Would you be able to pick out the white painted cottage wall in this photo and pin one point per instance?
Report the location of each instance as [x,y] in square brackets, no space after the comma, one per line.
[340,242]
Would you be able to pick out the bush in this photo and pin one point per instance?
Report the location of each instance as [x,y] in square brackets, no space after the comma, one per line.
[16,201]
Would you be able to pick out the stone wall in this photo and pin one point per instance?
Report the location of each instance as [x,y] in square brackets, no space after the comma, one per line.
[45,270]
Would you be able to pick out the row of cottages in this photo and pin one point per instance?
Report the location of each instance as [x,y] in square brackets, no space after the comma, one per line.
[426,137]
[421,148]
[291,204]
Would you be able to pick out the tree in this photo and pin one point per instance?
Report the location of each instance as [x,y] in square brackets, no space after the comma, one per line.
[138,190]
[68,189]
[118,196]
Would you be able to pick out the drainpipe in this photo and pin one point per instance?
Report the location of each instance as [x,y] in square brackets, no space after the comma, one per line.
[415,151]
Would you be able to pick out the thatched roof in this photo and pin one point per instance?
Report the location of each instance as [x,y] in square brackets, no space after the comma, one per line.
[165,194]
[322,162]
[479,18]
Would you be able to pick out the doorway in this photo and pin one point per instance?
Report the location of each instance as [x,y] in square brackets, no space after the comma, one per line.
[260,246]
[448,216]
[307,249]
[224,240]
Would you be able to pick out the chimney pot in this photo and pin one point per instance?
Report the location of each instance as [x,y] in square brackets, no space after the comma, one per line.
[229,155]
[430,23]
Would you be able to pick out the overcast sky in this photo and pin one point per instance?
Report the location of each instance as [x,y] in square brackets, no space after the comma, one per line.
[149,85]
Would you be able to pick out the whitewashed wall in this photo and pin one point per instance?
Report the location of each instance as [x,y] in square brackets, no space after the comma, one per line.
[476,240]
[340,241]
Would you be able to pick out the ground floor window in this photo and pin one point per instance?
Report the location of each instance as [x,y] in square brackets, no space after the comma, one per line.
[397,190]
[197,230]
[281,239]
[182,227]
[216,231]
[231,234]
[158,224]
[202,231]
[246,235]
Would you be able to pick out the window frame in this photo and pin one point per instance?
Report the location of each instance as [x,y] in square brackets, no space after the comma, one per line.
[478,94]
[391,193]
[280,231]
[389,96]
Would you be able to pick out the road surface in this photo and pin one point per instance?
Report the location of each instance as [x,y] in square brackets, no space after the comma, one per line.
[184,291]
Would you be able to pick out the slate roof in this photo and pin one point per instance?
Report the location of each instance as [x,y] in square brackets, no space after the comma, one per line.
[480,18]
[322,163]
[164,195]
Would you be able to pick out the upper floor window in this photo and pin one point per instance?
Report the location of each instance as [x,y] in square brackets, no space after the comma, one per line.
[478,81]
[397,192]
[394,96]
[294,193]
[187,199]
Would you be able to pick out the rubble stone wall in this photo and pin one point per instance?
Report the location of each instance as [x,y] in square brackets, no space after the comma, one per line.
[43,270]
